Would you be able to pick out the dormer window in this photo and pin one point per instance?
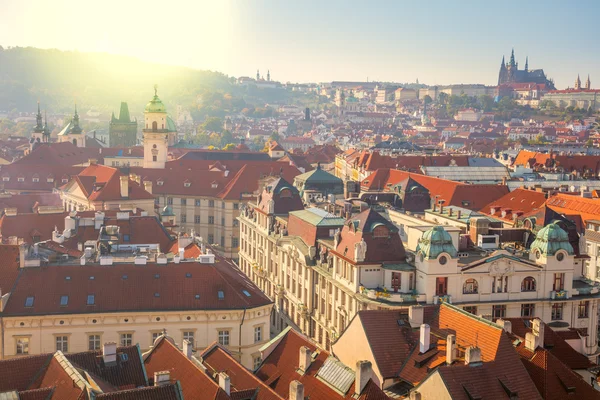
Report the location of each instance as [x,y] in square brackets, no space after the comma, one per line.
[5,178]
[50,179]
[64,180]
[214,185]
[160,183]
[187,184]
[35,178]
[21,179]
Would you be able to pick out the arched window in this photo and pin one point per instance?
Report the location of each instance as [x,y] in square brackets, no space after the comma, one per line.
[75,142]
[528,284]
[154,126]
[470,286]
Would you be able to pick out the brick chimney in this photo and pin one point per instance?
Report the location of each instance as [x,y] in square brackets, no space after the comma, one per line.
[305,359]
[424,339]
[364,372]
[162,378]
[124,180]
[296,391]
[187,348]
[225,382]
[450,349]
[473,356]
[415,316]
[109,352]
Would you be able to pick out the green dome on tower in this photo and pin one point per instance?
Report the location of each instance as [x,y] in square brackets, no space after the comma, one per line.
[436,241]
[155,105]
[550,239]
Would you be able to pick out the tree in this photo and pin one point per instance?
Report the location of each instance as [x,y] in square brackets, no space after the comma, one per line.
[275,136]
[589,143]
[212,124]
[427,99]
[443,98]
[229,146]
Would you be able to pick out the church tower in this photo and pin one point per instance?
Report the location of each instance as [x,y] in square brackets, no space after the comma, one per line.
[578,83]
[588,84]
[46,133]
[527,64]
[257,75]
[155,133]
[268,76]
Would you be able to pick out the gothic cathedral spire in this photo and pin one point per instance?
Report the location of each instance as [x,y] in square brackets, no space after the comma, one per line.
[512,58]
[38,120]
[578,83]
[526,63]
[588,84]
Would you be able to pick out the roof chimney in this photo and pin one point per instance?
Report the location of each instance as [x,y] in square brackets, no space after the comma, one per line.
[473,356]
[162,378]
[305,359]
[506,325]
[450,349]
[415,395]
[187,348]
[364,372]
[296,391]
[109,352]
[535,338]
[424,338]
[415,316]
[148,186]
[124,186]
[225,382]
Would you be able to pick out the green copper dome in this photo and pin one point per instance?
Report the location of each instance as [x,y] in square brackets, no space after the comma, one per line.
[550,239]
[434,242]
[155,105]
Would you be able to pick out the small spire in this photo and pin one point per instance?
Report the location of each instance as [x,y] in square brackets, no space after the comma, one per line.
[155,90]
[526,63]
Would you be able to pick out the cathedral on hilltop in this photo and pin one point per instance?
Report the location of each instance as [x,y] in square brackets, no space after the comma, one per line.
[510,73]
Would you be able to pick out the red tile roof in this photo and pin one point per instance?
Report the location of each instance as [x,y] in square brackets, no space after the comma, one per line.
[195,384]
[28,203]
[171,391]
[128,287]
[280,368]
[519,201]
[216,359]
[21,225]
[37,394]
[102,183]
[19,373]
[587,208]
[55,376]
[9,267]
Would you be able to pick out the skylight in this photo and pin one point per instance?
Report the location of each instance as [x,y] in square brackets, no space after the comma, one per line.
[246,293]
[156,276]
[156,294]
[197,296]
[64,300]
[29,301]
[91,300]
[221,295]
[188,275]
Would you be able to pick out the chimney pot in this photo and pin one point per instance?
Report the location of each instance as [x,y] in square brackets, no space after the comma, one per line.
[415,316]
[225,382]
[109,352]
[473,355]
[450,349]
[305,359]
[506,325]
[424,338]
[187,348]
[296,391]
[124,180]
[364,372]
[148,186]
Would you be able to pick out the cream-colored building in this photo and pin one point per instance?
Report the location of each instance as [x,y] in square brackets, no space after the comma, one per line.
[579,98]
[127,299]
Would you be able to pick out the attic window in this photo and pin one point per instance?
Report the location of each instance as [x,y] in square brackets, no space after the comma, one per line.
[6,178]
[157,276]
[188,275]
[214,185]
[187,184]
[65,180]
[220,295]
[64,301]
[91,300]
[156,294]
[466,203]
[92,278]
[197,297]
[125,276]
[50,179]
[160,183]
[246,293]
[35,179]
[67,278]
[21,179]
[29,301]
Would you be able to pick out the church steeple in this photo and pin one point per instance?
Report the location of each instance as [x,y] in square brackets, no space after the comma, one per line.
[578,83]
[526,63]
[38,120]
[502,64]
[257,75]
[268,76]
[46,129]
[76,128]
[512,58]
[588,84]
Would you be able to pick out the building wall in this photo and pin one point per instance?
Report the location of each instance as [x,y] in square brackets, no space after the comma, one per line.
[42,330]
[433,388]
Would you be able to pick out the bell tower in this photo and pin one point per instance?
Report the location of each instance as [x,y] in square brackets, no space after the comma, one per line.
[155,133]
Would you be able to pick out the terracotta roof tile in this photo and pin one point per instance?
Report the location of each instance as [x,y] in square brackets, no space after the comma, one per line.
[171,391]
[19,373]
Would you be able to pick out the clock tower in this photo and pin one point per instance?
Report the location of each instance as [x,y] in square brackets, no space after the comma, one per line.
[155,133]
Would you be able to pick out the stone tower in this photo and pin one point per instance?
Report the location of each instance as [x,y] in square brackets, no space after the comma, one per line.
[156,134]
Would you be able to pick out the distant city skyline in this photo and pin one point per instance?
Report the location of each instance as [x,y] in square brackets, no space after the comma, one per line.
[310,41]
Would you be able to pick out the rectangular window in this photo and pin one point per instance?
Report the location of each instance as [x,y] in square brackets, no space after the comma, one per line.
[441,286]
[64,301]
[184,202]
[224,338]
[170,201]
[222,204]
[499,311]
[211,203]
[197,219]
[257,334]
[183,218]
[256,362]
[126,238]
[29,301]
[91,299]
[236,206]
[211,220]
[23,345]
[223,221]
[471,309]
[155,336]
[222,241]
[559,282]
[197,202]
[557,311]
[62,344]
[235,242]
[94,342]
[126,339]
[189,336]
[220,295]
[211,238]
[528,310]
[583,309]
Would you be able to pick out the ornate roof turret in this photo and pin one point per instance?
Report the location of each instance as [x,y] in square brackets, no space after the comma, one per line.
[75,127]
[434,242]
[155,105]
[551,239]
[38,121]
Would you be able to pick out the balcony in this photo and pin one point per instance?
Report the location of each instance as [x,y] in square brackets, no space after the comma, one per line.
[559,295]
[392,297]
[442,299]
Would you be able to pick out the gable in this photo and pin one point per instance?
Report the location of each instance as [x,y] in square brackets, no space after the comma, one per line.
[501,264]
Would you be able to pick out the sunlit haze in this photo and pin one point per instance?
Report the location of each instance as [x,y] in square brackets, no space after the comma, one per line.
[310,41]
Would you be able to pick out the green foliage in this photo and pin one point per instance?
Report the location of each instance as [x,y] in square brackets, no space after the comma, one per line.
[229,146]
[427,99]
[212,124]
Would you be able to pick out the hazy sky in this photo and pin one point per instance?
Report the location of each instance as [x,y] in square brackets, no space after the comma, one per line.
[436,41]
